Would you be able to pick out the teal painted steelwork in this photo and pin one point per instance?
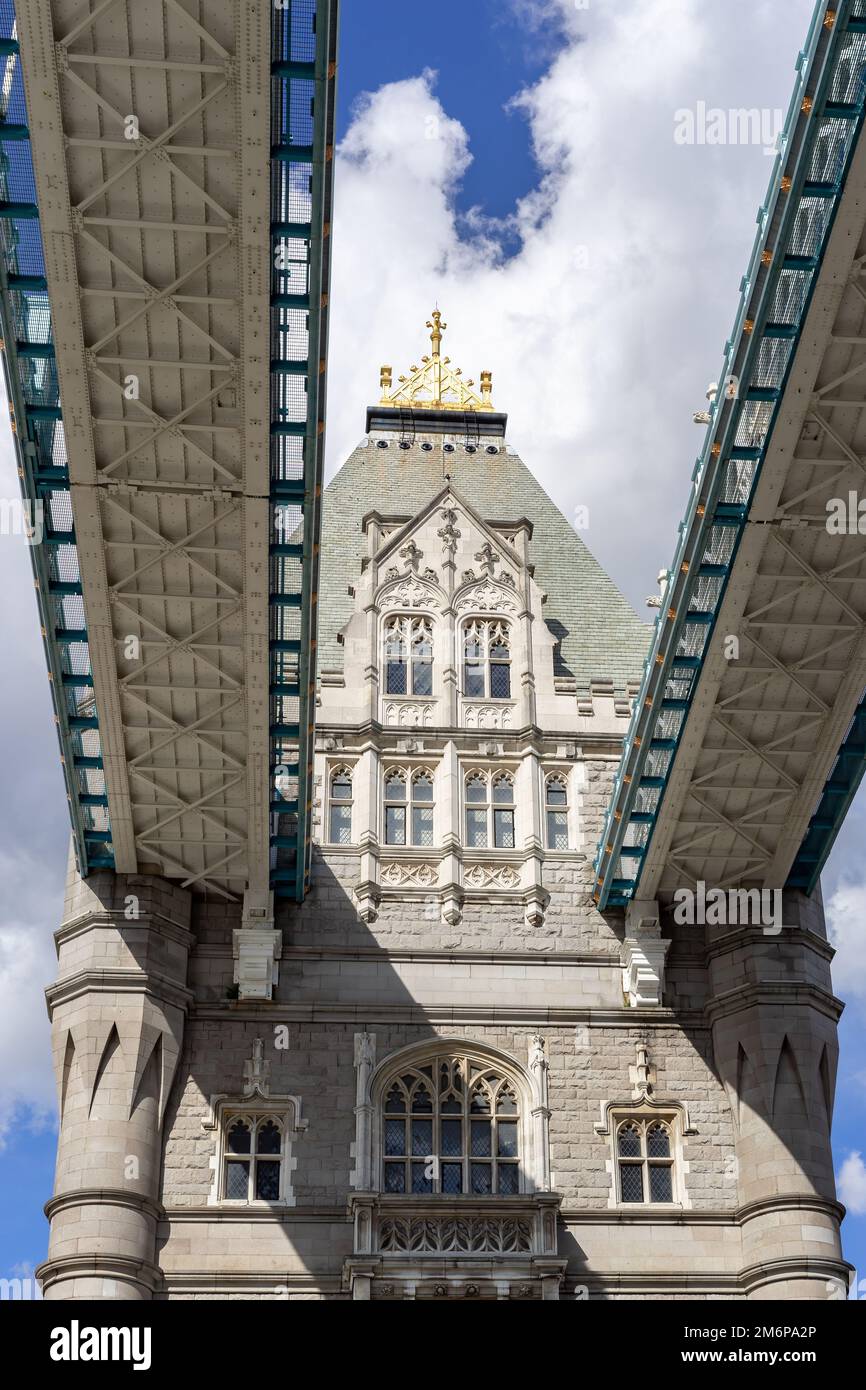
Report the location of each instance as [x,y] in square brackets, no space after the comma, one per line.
[34,404]
[839,791]
[795,221]
[303,68]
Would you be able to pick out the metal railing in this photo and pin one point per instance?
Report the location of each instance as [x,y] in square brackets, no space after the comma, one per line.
[824,119]
[303,69]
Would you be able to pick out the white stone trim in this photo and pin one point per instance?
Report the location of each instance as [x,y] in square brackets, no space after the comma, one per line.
[643,955]
[361,1149]
[675,1115]
[286,1109]
[256,952]
[333,765]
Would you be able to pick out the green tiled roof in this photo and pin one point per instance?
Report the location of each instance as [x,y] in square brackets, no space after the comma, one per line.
[600,635]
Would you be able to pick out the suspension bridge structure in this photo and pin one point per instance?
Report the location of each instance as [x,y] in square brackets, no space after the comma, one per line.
[748,739]
[165,224]
[166,183]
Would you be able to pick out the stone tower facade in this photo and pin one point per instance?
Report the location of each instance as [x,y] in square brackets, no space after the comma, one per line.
[446,1074]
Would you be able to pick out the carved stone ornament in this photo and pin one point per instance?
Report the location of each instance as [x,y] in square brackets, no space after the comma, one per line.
[257,1072]
[487,716]
[469,1235]
[491,876]
[488,558]
[411,554]
[449,534]
[486,598]
[410,592]
[409,875]
[408,716]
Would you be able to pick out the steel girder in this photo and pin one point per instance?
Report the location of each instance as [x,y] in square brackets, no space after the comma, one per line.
[759,659]
[181,179]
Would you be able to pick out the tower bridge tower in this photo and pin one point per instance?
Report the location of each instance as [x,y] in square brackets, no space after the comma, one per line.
[447,1073]
[371,979]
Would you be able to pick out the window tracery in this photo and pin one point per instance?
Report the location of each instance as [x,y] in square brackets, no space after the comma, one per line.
[340,807]
[408,656]
[451,1126]
[490,810]
[556,811]
[645,1160]
[408,807]
[253,1157]
[486,660]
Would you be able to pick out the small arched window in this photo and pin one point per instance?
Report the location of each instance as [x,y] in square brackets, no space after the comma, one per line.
[499,657]
[556,811]
[409,807]
[340,807]
[645,1161]
[253,1158]
[451,1126]
[422,659]
[396,675]
[395,807]
[477,810]
[489,810]
[422,808]
[486,661]
[409,656]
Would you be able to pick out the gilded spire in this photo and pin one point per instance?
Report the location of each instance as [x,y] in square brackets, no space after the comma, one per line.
[435,384]
[438,328]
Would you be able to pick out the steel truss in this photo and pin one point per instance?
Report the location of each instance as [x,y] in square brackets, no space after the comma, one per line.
[173,141]
[759,659]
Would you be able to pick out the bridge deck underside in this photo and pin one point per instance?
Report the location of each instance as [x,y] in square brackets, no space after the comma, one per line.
[151,124]
[749,737]
[777,701]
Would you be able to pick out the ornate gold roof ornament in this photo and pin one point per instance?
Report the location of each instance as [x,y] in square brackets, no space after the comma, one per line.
[435,384]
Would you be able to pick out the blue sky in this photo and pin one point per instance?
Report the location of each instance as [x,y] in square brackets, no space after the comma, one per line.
[514,161]
[482,55]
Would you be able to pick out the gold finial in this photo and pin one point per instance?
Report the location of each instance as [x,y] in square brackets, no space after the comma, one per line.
[435,384]
[438,328]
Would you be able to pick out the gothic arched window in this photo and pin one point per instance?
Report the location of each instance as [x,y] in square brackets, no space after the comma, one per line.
[422,808]
[340,807]
[422,658]
[409,807]
[645,1160]
[503,811]
[409,656]
[489,810]
[451,1126]
[395,807]
[477,810]
[486,660]
[556,811]
[253,1158]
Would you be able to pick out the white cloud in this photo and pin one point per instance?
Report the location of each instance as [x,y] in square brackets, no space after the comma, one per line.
[34,828]
[605,326]
[846,912]
[851,1183]
[30,903]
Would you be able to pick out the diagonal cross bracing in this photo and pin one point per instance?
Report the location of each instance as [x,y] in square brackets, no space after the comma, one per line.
[750,700]
[158,435]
